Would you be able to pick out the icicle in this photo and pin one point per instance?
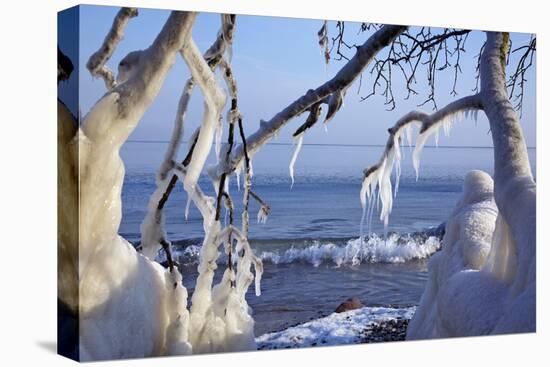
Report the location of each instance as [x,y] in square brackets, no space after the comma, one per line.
[385,188]
[420,142]
[422,138]
[226,184]
[298,145]
[370,212]
[397,164]
[397,159]
[187,207]
[447,124]
[238,172]
[408,135]
[363,195]
[258,271]
[436,136]
[368,192]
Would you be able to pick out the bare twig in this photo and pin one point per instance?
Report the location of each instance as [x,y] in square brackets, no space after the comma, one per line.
[518,78]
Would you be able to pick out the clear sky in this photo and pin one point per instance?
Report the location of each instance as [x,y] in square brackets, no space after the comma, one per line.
[276,60]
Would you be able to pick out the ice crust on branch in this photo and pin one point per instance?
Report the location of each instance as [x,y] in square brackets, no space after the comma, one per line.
[96,63]
[120,288]
[219,314]
[484,280]
[377,183]
[214,102]
[345,77]
[447,307]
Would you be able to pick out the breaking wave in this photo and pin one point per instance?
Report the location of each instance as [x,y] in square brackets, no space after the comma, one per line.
[395,248]
[372,249]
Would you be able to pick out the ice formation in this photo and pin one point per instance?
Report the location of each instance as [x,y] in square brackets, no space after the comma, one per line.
[377,183]
[456,281]
[432,129]
[473,281]
[342,80]
[130,306]
[484,281]
[214,102]
[97,62]
[298,146]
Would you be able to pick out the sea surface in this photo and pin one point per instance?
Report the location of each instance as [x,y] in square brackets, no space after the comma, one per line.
[313,256]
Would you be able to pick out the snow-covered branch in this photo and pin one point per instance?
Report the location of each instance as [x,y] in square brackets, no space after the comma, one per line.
[377,178]
[177,132]
[214,101]
[116,114]
[213,56]
[353,68]
[96,63]
[247,180]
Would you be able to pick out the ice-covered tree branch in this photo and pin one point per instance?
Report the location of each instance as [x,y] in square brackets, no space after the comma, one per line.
[364,55]
[213,56]
[153,234]
[96,63]
[214,102]
[111,272]
[506,276]
[129,99]
[377,178]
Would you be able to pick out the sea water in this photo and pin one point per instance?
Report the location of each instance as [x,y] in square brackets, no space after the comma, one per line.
[310,245]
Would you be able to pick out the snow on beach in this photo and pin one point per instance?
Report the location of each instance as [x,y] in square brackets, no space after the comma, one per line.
[351,327]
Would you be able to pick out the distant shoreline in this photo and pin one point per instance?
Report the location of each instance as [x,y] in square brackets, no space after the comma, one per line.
[338,145]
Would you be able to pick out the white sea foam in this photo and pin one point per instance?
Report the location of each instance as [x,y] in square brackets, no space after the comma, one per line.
[373,249]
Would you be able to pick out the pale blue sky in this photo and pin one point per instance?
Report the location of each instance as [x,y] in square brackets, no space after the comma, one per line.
[275,61]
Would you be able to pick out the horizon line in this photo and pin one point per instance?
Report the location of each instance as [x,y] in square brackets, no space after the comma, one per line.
[334,144]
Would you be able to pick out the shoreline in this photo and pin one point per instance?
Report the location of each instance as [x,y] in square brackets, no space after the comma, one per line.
[360,326]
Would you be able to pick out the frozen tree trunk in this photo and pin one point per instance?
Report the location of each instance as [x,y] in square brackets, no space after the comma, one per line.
[124,298]
[515,190]
[112,119]
[477,287]
[67,199]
